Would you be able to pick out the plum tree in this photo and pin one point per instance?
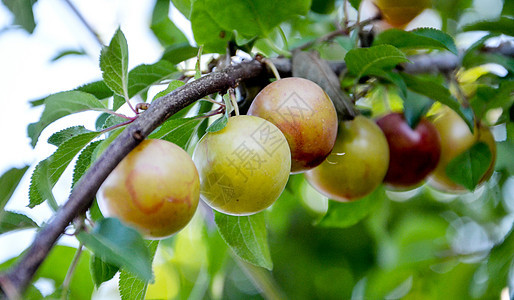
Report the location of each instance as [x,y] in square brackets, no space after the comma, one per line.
[456,138]
[306,116]
[414,153]
[357,164]
[155,189]
[172,89]
[244,167]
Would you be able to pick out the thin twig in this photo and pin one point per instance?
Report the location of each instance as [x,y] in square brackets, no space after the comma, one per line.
[217,111]
[232,95]
[69,274]
[86,24]
[209,99]
[339,32]
[114,113]
[117,125]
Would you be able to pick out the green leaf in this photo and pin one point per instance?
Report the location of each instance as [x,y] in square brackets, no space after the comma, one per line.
[374,60]
[503,25]
[62,136]
[163,28]
[381,283]
[173,85]
[100,121]
[41,185]
[502,96]
[206,29]
[417,39]
[144,76]
[487,98]
[60,105]
[179,52]
[8,183]
[481,58]
[178,131]
[500,260]
[114,64]
[355,3]
[198,68]
[112,120]
[347,214]
[48,171]
[218,124]
[246,236]
[119,245]
[23,14]
[397,80]
[451,9]
[439,93]
[101,271]
[94,212]
[222,121]
[10,221]
[105,143]
[504,159]
[117,102]
[216,250]
[323,6]
[253,17]
[469,167]
[83,162]
[32,293]
[184,6]
[469,53]
[131,287]
[415,106]
[508,9]
[96,88]
[67,53]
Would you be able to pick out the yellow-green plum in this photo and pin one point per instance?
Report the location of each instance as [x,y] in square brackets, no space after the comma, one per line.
[399,13]
[155,188]
[357,165]
[244,167]
[455,139]
[305,114]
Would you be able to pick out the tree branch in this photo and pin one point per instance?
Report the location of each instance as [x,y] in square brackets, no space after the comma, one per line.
[439,63]
[16,279]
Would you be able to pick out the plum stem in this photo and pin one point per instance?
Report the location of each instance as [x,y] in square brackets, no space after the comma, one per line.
[119,125]
[271,65]
[232,95]
[209,99]
[114,113]
[218,111]
[69,274]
